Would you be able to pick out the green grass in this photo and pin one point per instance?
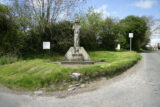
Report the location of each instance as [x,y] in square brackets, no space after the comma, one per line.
[8,59]
[37,73]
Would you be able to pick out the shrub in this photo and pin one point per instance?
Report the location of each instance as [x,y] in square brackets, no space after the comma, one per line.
[60,35]
[109,33]
[8,59]
[11,38]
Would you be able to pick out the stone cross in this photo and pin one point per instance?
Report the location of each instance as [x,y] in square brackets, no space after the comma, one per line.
[76,28]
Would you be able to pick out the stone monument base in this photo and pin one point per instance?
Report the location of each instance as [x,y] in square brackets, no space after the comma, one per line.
[77,62]
[80,57]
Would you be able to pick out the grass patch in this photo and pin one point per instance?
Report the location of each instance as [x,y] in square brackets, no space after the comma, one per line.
[37,73]
[8,59]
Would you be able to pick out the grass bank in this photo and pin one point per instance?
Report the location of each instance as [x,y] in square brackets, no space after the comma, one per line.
[37,73]
[8,59]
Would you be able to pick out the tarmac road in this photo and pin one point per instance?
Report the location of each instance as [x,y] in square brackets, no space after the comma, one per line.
[138,87]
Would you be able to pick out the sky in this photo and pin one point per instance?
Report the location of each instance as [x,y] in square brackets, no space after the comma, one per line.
[123,8]
[155,37]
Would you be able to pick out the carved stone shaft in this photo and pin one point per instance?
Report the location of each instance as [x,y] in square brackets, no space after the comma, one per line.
[76,28]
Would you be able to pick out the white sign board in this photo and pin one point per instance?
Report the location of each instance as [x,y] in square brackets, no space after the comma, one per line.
[130,35]
[118,46]
[46,45]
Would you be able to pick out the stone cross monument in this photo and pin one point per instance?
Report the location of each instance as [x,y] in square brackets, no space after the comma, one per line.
[77,54]
[76,28]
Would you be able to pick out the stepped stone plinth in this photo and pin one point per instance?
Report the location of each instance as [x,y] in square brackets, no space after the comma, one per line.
[81,57]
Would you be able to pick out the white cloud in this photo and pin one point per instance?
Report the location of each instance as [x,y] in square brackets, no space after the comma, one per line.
[146,4]
[103,10]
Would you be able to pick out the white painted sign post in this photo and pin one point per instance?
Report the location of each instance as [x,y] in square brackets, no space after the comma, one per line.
[46,45]
[130,36]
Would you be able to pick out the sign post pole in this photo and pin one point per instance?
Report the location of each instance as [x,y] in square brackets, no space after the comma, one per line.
[130,44]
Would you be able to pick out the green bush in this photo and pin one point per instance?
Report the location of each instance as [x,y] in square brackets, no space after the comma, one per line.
[60,35]
[11,38]
[88,39]
[109,33]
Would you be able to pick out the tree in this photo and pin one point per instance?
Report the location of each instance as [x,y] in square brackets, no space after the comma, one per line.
[46,10]
[98,33]
[90,29]
[136,25]
[149,21]
[11,37]
[23,15]
[109,33]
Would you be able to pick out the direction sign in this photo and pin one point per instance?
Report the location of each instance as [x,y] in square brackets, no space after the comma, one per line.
[130,35]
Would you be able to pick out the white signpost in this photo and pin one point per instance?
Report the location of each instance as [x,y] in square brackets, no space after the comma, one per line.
[46,45]
[130,36]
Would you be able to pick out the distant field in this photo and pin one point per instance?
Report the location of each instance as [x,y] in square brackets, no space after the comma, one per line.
[36,73]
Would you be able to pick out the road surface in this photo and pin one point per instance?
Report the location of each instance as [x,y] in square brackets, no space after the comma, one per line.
[138,87]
